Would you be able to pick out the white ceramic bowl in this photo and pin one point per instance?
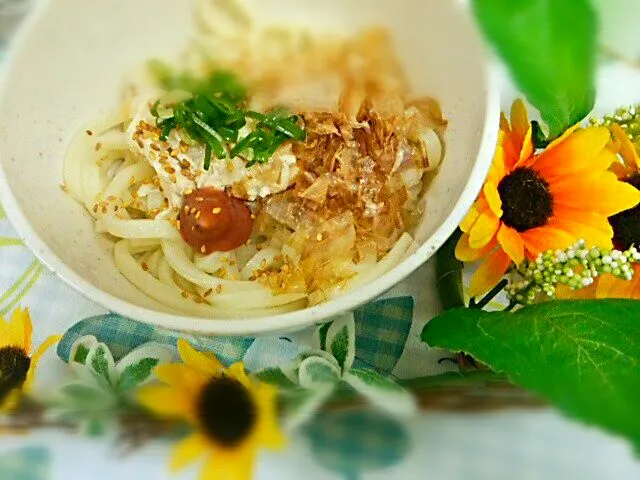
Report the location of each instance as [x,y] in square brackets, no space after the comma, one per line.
[68,65]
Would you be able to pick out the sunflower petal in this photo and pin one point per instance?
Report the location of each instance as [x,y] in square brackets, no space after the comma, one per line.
[238,372]
[578,153]
[592,227]
[489,273]
[474,213]
[498,167]
[627,149]
[613,287]
[564,292]
[511,243]
[236,464]
[19,329]
[37,355]
[166,401]
[465,253]
[181,376]
[541,239]
[269,433]
[493,198]
[526,151]
[203,361]
[612,196]
[484,230]
[187,451]
[504,124]
[519,121]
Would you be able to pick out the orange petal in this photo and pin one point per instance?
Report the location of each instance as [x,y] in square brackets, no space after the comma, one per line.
[519,122]
[474,213]
[465,253]
[497,170]
[541,239]
[578,153]
[489,273]
[627,149]
[511,243]
[484,230]
[527,147]
[606,195]
[504,124]
[591,227]
[564,292]
[203,361]
[613,287]
[493,198]
[620,170]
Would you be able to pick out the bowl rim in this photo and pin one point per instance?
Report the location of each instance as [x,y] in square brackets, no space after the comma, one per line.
[296,320]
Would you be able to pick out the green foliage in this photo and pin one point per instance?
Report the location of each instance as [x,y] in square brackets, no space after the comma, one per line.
[550,49]
[582,356]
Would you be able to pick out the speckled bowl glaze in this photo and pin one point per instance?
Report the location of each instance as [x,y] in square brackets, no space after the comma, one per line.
[68,65]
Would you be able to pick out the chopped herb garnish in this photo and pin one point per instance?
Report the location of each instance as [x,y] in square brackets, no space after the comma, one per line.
[216,112]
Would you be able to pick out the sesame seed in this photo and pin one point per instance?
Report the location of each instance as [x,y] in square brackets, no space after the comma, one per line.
[199,199]
[95,208]
[169,169]
[89,132]
[154,146]
[208,292]
[198,214]
[188,191]
[145,267]
[178,224]
[198,299]
[218,288]
[203,249]
[216,210]
[319,237]
[193,210]
[185,294]
[98,146]
[140,143]
[173,178]
[186,209]
[104,209]
[253,216]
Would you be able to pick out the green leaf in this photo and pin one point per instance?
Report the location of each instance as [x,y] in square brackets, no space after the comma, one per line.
[381,391]
[341,341]
[300,405]
[316,372]
[582,356]
[274,376]
[135,374]
[449,274]
[101,363]
[550,49]
[81,354]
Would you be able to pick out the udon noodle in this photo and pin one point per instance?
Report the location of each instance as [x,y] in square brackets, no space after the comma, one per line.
[329,206]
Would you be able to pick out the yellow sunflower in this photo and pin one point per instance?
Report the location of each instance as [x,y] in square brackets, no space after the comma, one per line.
[232,415]
[17,366]
[626,226]
[532,203]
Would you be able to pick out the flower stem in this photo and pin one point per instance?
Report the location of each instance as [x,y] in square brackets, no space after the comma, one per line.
[491,295]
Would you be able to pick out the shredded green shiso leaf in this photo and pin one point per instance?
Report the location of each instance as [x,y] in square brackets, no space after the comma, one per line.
[213,113]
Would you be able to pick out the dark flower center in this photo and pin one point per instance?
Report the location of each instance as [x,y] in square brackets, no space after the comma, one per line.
[227,411]
[14,365]
[626,225]
[526,200]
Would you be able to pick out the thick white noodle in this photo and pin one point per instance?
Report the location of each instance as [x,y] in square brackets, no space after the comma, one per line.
[165,273]
[388,261]
[138,229]
[172,298]
[263,258]
[119,186]
[180,262]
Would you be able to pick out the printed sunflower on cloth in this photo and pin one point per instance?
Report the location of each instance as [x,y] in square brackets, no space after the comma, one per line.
[534,202]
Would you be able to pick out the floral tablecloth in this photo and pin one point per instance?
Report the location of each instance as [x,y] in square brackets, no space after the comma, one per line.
[503,445]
